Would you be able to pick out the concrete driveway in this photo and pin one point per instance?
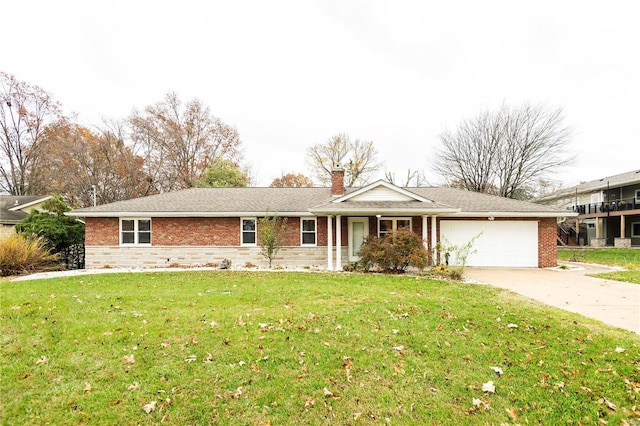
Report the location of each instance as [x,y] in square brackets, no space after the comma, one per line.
[612,302]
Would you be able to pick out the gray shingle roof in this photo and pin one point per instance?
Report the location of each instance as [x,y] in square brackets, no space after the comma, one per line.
[299,201]
[10,205]
[623,179]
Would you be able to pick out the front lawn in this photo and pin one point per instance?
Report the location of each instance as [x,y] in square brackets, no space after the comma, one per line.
[627,258]
[213,347]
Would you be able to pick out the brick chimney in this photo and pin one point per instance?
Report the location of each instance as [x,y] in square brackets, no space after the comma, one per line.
[337,180]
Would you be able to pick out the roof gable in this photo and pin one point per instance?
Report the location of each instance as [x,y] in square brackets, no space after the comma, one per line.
[382,191]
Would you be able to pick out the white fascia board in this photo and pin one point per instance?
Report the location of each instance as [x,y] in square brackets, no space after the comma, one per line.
[515,214]
[385,184]
[183,214]
[382,211]
[32,203]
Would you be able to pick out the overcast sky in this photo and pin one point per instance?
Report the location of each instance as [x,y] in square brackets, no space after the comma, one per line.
[289,74]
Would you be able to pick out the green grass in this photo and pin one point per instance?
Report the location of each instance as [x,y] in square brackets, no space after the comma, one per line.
[625,258]
[624,276]
[605,256]
[255,348]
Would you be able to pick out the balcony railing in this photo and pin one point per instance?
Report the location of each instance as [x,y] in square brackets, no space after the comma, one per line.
[605,207]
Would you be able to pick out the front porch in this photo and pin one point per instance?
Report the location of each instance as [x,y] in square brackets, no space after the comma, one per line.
[350,232]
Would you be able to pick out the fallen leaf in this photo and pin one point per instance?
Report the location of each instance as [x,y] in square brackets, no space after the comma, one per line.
[129,359]
[87,387]
[148,408]
[398,348]
[498,370]
[191,358]
[512,412]
[610,405]
[42,360]
[620,350]
[489,387]
[512,325]
[107,333]
[15,308]
[134,386]
[208,359]
[327,392]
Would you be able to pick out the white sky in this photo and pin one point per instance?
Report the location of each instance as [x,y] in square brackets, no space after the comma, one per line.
[288,74]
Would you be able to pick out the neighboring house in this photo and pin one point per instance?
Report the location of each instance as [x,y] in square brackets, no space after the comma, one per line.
[608,211]
[14,208]
[325,226]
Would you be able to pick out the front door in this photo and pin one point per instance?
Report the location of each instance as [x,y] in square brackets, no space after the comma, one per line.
[358,231]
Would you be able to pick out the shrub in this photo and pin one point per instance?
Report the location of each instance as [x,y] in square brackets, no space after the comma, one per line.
[61,234]
[20,254]
[394,253]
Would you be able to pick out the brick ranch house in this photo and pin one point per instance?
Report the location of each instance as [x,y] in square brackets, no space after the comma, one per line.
[325,226]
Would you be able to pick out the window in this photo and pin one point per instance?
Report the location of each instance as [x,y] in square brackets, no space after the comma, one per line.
[390,224]
[135,231]
[308,232]
[635,229]
[248,231]
[637,195]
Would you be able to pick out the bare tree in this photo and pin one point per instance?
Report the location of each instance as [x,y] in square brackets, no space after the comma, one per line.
[25,113]
[357,157]
[414,178]
[506,151]
[178,142]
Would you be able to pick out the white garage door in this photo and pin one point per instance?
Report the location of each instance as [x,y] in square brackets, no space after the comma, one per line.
[500,243]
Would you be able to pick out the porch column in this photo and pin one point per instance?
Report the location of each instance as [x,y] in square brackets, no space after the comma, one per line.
[622,226]
[597,227]
[338,242]
[434,250]
[425,233]
[329,244]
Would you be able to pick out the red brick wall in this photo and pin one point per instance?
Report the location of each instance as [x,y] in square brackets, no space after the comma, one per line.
[102,231]
[195,231]
[547,245]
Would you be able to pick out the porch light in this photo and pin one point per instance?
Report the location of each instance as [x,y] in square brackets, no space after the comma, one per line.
[378,216]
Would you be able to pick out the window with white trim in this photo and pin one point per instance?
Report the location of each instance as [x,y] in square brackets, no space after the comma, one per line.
[637,195]
[308,232]
[387,225]
[248,235]
[135,231]
[635,229]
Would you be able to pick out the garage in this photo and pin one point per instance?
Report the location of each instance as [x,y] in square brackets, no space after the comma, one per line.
[498,243]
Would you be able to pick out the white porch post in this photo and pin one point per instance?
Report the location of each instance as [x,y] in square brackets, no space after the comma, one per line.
[425,233]
[622,226]
[434,251]
[329,244]
[338,242]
